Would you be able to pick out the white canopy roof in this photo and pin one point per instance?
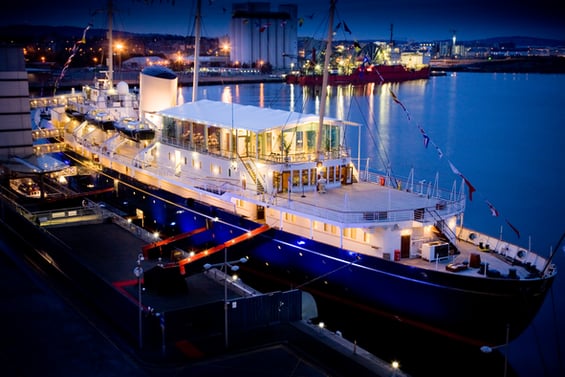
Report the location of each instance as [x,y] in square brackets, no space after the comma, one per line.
[228,115]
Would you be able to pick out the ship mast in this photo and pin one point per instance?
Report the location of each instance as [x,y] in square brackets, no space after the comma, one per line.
[110,45]
[196,69]
[325,82]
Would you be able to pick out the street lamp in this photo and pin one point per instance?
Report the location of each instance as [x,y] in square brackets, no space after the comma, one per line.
[395,365]
[138,272]
[224,266]
[119,48]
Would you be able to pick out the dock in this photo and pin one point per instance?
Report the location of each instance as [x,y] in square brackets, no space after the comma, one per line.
[180,322]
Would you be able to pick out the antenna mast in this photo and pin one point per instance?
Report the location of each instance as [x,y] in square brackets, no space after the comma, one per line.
[196,70]
[323,95]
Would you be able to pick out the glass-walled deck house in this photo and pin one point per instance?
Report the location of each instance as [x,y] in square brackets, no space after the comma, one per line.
[233,130]
[256,136]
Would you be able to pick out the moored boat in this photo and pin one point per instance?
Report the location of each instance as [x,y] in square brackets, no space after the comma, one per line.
[375,62]
[374,240]
[363,75]
[26,187]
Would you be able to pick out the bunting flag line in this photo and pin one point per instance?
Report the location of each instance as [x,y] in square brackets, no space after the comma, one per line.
[74,50]
[469,185]
[513,228]
[439,152]
[426,137]
[395,99]
[493,210]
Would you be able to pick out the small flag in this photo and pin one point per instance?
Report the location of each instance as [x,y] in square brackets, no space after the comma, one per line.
[469,185]
[493,210]
[513,228]
[300,22]
[346,28]
[395,99]
[426,140]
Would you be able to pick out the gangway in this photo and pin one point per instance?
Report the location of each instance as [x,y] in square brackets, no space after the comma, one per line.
[207,252]
[145,249]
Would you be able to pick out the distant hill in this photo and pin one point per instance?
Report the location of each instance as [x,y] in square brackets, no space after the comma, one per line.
[38,32]
[518,41]
[42,32]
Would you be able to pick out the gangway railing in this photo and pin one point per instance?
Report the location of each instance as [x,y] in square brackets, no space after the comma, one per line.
[145,249]
[205,253]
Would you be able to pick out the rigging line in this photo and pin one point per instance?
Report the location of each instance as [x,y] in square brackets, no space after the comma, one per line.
[163,199]
[557,338]
[441,155]
[376,141]
[342,25]
[553,253]
[327,273]
[191,27]
[539,348]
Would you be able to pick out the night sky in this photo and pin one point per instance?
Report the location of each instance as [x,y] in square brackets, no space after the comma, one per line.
[419,20]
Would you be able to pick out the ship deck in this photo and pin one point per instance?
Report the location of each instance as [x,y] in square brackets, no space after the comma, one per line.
[361,204]
[468,262]
[354,203]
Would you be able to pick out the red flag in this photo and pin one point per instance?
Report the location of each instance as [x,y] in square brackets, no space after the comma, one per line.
[513,228]
[469,185]
[395,99]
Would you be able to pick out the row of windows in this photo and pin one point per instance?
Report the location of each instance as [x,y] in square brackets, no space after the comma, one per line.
[350,233]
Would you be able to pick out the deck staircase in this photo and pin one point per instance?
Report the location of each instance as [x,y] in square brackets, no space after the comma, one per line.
[252,172]
[444,232]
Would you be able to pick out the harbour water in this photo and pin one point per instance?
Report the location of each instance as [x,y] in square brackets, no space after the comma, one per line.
[505,133]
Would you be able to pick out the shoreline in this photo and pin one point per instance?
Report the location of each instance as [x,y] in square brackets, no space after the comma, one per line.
[522,64]
[77,77]
[81,76]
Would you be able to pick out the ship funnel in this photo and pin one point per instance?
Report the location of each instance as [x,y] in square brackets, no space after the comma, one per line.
[157,89]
